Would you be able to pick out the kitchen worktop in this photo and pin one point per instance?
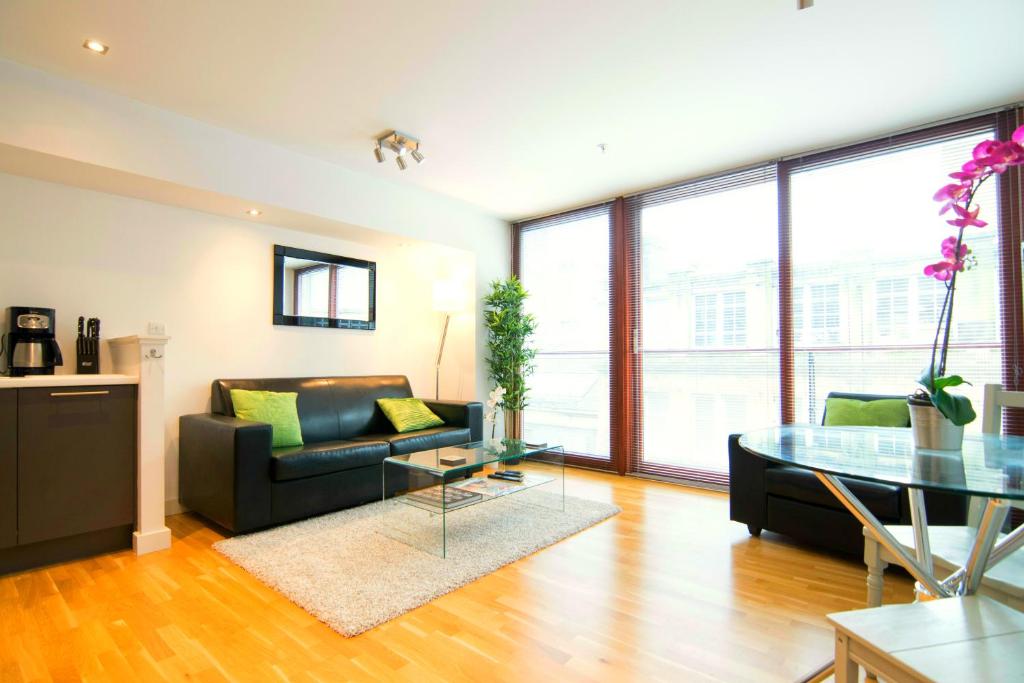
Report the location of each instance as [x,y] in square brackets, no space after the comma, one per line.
[65,381]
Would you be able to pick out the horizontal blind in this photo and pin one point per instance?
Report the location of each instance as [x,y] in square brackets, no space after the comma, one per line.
[861,225]
[565,264]
[691,313]
[894,143]
[1011,225]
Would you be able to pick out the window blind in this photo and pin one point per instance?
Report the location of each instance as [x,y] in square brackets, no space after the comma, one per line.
[1011,300]
[860,225]
[703,320]
[564,261]
[838,301]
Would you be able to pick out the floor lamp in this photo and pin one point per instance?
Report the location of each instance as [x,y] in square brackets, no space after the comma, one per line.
[447,300]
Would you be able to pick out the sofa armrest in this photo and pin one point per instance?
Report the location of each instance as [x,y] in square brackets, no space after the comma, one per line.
[224,469]
[747,500]
[460,414]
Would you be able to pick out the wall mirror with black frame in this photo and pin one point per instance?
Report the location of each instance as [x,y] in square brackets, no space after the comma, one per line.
[314,289]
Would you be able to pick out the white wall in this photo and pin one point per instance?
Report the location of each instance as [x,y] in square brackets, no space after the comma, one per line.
[71,120]
[209,280]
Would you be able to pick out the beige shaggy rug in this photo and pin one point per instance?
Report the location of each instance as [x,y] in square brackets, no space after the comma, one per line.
[341,569]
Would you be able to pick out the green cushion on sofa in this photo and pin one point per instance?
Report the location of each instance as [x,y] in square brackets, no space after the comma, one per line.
[408,414]
[849,412]
[276,408]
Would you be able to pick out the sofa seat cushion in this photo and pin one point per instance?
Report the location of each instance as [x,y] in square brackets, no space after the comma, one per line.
[314,459]
[422,440]
[801,485]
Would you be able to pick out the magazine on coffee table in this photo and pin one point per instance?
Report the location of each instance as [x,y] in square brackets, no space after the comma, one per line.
[498,487]
[453,497]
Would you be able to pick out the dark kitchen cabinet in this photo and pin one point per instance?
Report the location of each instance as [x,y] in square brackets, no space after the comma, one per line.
[67,472]
[75,461]
[8,467]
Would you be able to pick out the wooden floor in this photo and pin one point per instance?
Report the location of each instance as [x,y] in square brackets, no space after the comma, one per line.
[669,590]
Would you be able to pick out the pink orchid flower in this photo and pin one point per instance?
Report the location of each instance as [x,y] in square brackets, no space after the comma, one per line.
[943,270]
[970,171]
[983,149]
[948,246]
[1002,156]
[951,194]
[1018,136]
[966,218]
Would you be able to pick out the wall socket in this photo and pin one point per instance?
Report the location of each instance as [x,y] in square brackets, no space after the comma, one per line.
[156,329]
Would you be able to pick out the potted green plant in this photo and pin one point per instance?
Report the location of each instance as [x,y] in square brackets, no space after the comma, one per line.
[938,416]
[510,357]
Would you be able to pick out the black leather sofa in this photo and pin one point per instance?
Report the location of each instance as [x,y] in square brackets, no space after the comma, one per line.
[230,474]
[791,501]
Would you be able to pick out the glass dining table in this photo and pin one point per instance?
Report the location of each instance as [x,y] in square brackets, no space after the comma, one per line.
[989,467]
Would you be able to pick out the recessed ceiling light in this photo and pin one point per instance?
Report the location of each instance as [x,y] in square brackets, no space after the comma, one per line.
[254,212]
[603,147]
[96,46]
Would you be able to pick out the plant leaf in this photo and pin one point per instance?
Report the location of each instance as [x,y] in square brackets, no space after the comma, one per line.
[951,381]
[956,408]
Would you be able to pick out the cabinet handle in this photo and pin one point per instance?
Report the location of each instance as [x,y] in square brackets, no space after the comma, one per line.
[58,394]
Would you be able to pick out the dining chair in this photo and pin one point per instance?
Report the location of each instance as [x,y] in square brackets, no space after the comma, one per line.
[950,544]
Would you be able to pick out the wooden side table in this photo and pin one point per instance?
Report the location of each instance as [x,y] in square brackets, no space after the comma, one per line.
[969,638]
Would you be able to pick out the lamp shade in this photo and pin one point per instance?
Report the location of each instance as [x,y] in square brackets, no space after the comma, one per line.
[448,297]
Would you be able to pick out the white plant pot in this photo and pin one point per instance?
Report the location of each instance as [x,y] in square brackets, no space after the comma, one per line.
[933,430]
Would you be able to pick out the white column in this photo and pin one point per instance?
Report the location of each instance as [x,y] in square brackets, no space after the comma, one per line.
[144,358]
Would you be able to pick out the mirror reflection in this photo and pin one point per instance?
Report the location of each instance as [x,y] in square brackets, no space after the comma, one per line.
[313,289]
[326,290]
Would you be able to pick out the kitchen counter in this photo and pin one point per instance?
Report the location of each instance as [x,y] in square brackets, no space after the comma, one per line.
[65,381]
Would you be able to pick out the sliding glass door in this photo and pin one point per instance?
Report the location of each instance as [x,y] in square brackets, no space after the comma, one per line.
[708,301]
[564,266]
[670,319]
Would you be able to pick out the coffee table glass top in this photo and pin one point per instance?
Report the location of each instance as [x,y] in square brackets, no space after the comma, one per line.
[989,465]
[477,454]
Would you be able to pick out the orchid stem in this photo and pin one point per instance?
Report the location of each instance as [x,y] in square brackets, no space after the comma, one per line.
[946,317]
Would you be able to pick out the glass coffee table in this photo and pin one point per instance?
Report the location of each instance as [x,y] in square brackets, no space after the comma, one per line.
[421,490]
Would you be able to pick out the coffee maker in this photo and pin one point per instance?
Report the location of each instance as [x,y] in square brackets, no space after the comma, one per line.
[31,344]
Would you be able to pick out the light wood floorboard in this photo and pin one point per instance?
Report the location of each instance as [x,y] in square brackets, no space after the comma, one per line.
[670,590]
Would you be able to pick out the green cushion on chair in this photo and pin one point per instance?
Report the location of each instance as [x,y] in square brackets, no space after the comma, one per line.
[408,414]
[849,412]
[276,408]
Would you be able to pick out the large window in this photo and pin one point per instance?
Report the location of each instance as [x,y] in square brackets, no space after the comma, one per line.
[741,300]
[865,335]
[708,264]
[565,268]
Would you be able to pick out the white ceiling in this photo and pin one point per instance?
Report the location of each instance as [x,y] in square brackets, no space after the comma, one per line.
[512,97]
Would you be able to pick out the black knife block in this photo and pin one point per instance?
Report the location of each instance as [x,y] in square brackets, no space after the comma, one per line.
[88,352]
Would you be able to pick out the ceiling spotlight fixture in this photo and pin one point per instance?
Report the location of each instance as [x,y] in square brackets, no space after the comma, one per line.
[254,212]
[603,147]
[804,4]
[96,46]
[401,144]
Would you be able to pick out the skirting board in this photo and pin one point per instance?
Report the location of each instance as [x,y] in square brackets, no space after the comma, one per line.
[151,541]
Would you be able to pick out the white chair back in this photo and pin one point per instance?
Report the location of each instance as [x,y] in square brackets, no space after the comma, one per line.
[996,398]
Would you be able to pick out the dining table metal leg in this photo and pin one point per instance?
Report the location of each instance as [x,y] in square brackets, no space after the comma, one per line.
[988,532]
[919,520]
[865,517]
